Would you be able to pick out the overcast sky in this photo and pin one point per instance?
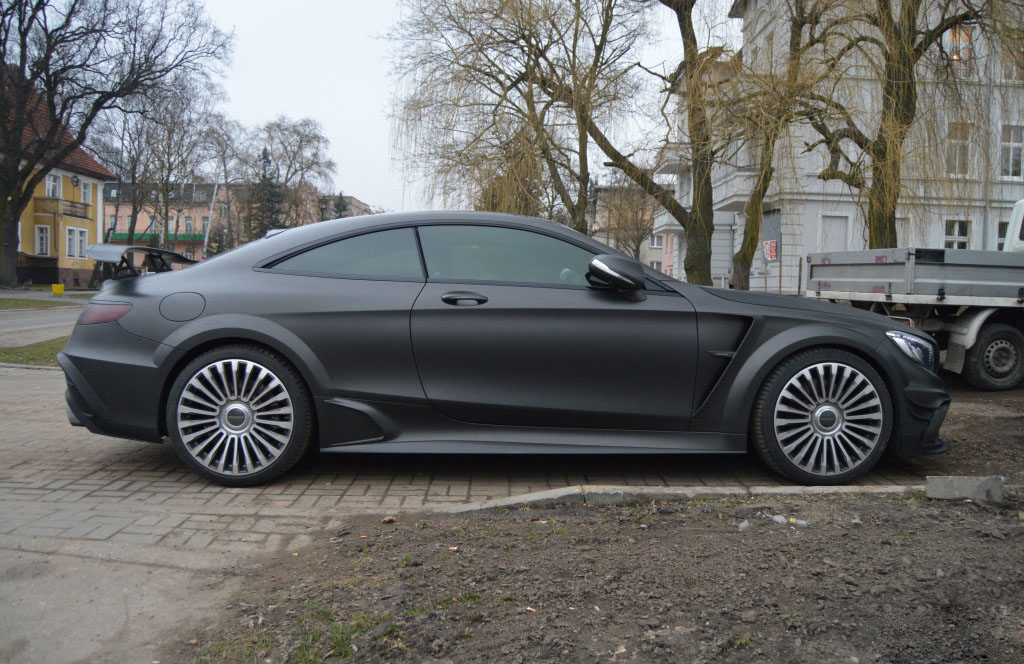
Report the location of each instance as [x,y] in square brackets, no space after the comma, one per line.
[328,60]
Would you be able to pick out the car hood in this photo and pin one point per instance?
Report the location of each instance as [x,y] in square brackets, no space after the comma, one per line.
[797,303]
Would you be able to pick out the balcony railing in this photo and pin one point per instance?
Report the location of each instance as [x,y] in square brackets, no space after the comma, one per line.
[146,237]
[60,206]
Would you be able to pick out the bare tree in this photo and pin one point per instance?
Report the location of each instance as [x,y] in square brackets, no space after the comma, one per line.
[225,141]
[513,182]
[299,152]
[867,150]
[760,101]
[120,140]
[688,83]
[64,62]
[177,144]
[628,214]
[470,76]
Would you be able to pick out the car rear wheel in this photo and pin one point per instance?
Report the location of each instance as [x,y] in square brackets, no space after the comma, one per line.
[996,360]
[822,417]
[239,415]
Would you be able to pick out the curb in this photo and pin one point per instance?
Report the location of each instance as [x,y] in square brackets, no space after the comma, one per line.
[5,365]
[53,308]
[623,495]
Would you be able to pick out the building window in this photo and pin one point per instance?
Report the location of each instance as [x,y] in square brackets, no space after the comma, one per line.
[656,265]
[53,186]
[1011,151]
[206,225]
[83,241]
[199,196]
[657,241]
[1013,68]
[112,224]
[956,154]
[188,224]
[71,249]
[958,234]
[188,253]
[87,193]
[959,44]
[1001,234]
[42,240]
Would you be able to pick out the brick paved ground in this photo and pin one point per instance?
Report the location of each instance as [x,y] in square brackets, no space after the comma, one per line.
[59,481]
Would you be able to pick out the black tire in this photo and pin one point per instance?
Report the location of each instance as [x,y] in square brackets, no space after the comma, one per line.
[288,436]
[996,360]
[857,418]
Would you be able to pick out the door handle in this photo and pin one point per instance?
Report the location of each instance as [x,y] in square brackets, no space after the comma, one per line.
[463,298]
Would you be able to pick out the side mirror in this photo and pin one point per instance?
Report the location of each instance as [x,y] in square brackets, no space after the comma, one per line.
[624,274]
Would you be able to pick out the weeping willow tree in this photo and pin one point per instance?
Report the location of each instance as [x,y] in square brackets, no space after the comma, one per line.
[470,81]
[512,179]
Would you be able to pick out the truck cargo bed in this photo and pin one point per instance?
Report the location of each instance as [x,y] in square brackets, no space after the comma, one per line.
[919,276]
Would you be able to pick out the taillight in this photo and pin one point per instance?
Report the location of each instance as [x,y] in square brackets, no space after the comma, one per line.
[102,313]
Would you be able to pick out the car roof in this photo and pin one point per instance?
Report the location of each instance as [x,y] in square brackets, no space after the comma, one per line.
[300,236]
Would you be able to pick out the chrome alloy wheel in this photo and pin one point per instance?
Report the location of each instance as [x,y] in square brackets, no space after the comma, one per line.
[828,419]
[235,417]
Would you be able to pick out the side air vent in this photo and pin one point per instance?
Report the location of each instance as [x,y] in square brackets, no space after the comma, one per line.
[720,336]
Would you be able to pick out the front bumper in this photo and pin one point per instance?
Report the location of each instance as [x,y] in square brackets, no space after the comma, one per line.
[921,403]
[922,416]
[114,384]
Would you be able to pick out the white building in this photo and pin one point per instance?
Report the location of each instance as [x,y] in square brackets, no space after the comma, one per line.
[967,206]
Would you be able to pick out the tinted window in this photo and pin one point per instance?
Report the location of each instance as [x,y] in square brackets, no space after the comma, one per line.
[488,253]
[380,254]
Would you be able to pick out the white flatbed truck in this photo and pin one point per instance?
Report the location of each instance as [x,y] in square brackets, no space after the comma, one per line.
[971,301]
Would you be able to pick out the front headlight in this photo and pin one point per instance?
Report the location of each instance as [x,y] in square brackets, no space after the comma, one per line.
[915,347]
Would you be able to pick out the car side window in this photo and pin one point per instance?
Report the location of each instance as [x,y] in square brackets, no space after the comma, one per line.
[491,253]
[382,254]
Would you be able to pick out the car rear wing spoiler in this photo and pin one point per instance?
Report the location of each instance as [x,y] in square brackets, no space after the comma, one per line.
[122,258]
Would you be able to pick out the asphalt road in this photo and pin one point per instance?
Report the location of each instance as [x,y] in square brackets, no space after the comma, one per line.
[19,328]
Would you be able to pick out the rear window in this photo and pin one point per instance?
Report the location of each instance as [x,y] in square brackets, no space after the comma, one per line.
[386,254]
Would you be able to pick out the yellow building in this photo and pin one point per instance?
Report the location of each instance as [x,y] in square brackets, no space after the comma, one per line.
[64,217]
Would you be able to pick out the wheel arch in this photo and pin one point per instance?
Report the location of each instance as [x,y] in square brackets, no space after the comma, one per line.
[750,375]
[191,341]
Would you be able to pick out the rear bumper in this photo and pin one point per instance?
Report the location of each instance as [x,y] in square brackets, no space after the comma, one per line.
[114,385]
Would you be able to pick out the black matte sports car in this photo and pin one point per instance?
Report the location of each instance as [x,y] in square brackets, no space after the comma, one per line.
[474,332]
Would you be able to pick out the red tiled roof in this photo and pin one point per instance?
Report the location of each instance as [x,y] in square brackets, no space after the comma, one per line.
[79,161]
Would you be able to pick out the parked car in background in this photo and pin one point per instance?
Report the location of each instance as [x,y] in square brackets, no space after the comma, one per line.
[486,333]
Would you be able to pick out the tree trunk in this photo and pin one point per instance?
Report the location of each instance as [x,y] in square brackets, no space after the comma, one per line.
[702,224]
[899,108]
[579,221]
[9,254]
[883,197]
[753,211]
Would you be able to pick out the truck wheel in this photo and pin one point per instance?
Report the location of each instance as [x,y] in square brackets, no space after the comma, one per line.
[996,360]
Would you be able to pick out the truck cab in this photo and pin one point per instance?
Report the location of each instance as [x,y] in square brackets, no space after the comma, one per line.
[1015,231]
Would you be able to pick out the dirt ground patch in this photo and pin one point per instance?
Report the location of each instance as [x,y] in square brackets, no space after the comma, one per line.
[867,579]
[985,431]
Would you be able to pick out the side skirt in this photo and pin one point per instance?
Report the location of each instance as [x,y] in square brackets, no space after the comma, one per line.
[349,425]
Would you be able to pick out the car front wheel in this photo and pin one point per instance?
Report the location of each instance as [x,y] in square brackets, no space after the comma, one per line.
[822,417]
[239,415]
